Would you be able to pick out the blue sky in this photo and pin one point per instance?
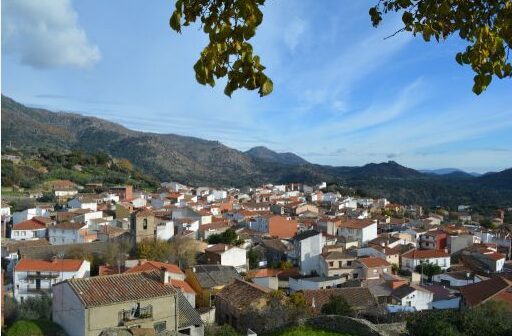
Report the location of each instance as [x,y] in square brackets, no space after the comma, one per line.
[342,94]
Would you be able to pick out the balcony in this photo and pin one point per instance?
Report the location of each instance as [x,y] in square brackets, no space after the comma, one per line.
[37,291]
[44,276]
[136,315]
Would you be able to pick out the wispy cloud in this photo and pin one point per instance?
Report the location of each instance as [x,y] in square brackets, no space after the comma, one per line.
[293,32]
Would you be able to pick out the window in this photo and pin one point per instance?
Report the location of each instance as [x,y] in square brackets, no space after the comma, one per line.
[160,326]
[331,263]
[145,223]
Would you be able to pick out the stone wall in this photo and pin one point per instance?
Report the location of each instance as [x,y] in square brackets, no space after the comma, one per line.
[345,324]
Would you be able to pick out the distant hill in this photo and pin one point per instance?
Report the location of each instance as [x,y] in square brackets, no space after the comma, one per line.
[455,172]
[197,161]
[265,154]
[389,169]
[501,180]
[441,171]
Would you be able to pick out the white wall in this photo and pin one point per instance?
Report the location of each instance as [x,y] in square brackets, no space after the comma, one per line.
[310,251]
[21,216]
[60,237]
[67,310]
[421,300]
[28,234]
[268,282]
[235,257]
[165,230]
[412,263]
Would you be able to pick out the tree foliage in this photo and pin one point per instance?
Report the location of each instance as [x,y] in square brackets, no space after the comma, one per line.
[486,25]
[180,250]
[229,25]
[490,319]
[337,305]
[227,237]
[428,269]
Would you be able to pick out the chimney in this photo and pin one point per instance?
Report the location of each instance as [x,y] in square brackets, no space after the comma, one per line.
[165,276]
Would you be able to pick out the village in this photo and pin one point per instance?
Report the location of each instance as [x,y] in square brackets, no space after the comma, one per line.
[189,260]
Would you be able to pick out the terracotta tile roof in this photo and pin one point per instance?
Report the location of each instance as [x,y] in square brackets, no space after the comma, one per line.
[263,273]
[144,212]
[214,226]
[241,293]
[109,289]
[154,266]
[209,276]
[373,262]
[218,248]
[58,265]
[477,293]
[43,220]
[495,256]
[425,254]
[109,270]
[183,285]
[30,224]
[352,223]
[336,255]
[359,298]
[69,226]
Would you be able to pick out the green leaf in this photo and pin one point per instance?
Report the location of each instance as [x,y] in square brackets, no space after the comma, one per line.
[267,87]
[175,21]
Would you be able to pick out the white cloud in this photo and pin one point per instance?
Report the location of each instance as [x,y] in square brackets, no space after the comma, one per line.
[293,33]
[46,34]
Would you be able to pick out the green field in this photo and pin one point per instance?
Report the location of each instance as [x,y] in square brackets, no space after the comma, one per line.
[307,331]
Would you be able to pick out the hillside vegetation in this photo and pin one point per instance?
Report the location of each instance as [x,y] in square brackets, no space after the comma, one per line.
[35,169]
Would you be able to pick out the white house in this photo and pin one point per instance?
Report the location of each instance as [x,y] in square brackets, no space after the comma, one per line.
[348,203]
[28,230]
[456,279]
[34,277]
[362,230]
[83,203]
[299,283]
[226,255]
[87,216]
[219,194]
[158,203]
[308,250]
[329,197]
[21,216]
[164,228]
[5,212]
[69,233]
[415,257]
[139,202]
[413,296]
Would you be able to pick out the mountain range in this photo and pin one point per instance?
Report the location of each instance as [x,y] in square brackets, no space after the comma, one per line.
[202,162]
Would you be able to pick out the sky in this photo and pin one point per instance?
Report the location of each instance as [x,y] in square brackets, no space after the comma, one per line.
[343,95]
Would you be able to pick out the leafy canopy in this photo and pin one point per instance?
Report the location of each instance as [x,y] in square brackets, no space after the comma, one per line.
[229,25]
[485,24]
[337,305]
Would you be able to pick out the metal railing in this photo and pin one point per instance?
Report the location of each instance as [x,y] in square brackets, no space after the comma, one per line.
[34,275]
[133,315]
